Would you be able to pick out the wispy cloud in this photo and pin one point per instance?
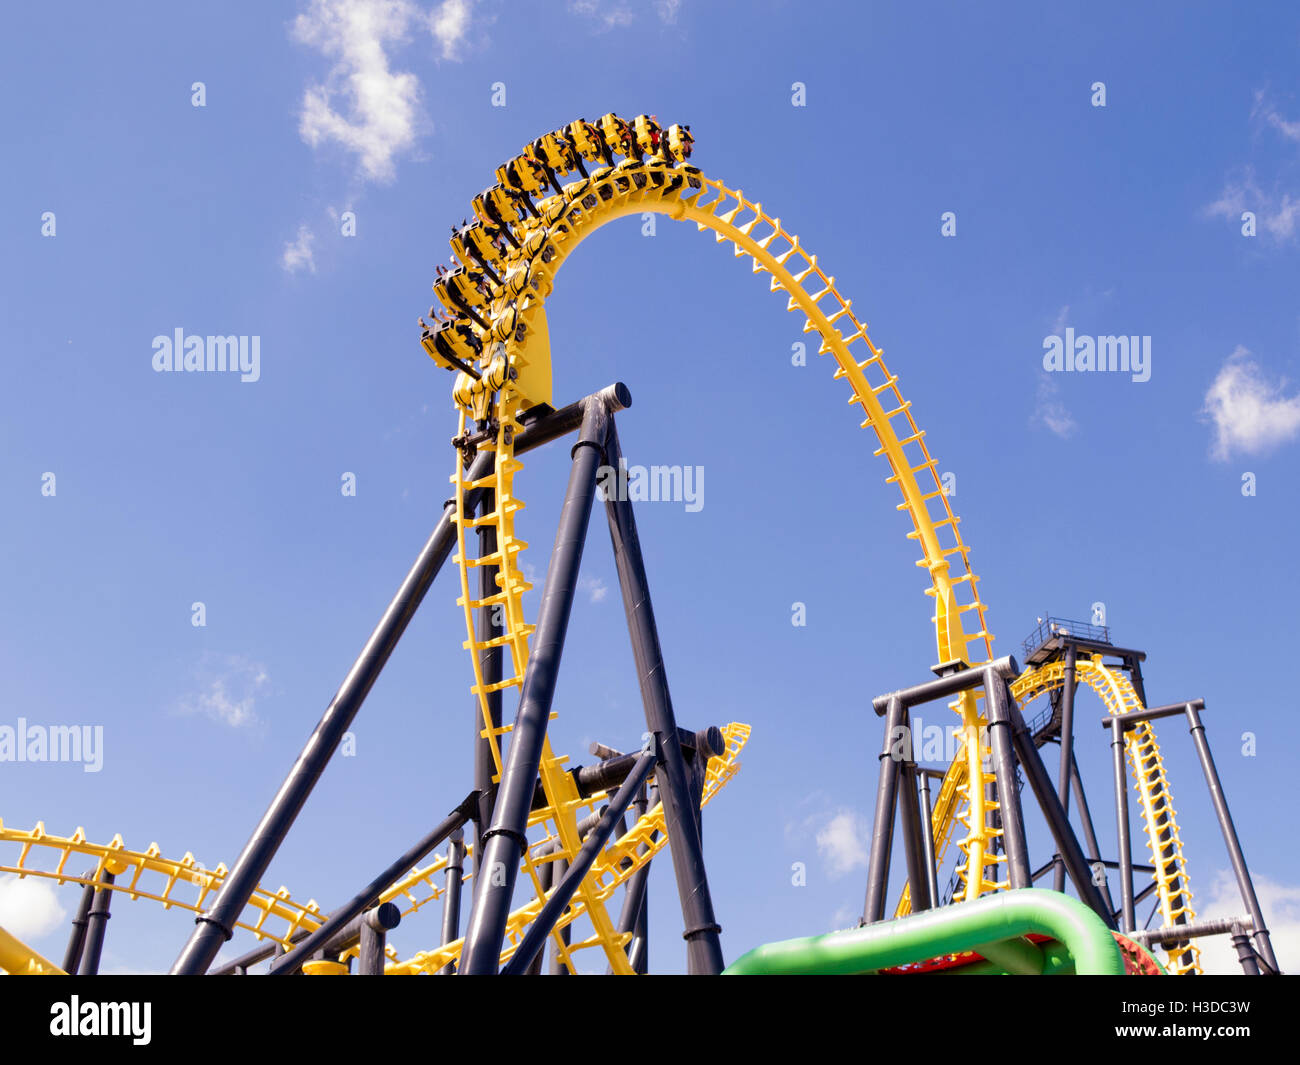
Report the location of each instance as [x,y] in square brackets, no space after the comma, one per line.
[297,252]
[1266,112]
[845,916]
[1277,213]
[1276,209]
[595,588]
[668,9]
[1062,319]
[1281,906]
[229,689]
[608,16]
[1251,415]
[29,908]
[1049,411]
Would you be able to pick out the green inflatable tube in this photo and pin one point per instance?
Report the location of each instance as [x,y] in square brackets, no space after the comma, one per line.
[995,924]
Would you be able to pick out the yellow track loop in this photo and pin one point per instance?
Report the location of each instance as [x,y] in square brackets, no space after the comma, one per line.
[683,193]
[1154,794]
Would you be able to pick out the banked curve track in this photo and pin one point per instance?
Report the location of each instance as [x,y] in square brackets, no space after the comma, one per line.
[494,326]
[505,316]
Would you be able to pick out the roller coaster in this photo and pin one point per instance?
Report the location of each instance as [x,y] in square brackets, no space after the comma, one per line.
[551,845]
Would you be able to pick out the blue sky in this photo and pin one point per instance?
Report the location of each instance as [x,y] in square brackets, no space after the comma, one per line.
[1073,488]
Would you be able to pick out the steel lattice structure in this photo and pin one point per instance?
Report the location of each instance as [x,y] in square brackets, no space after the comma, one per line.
[536,818]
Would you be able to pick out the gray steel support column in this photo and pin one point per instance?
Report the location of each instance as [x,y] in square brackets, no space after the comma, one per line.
[451,901]
[557,967]
[1245,951]
[216,925]
[1067,844]
[487,627]
[997,700]
[96,926]
[913,844]
[1128,916]
[633,917]
[1263,944]
[882,825]
[77,938]
[559,898]
[373,929]
[703,947]
[1089,831]
[505,842]
[543,875]
[927,837]
[368,895]
[638,950]
[1134,666]
[1067,748]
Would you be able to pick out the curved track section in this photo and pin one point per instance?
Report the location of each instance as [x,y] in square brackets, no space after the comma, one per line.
[185,884]
[182,884]
[1155,797]
[494,300]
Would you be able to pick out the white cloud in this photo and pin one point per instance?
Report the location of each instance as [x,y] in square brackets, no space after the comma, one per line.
[29,907]
[230,688]
[363,106]
[1276,214]
[1281,906]
[297,252]
[595,588]
[844,917]
[608,17]
[1264,111]
[1250,414]
[1049,411]
[668,9]
[448,23]
[1062,320]
[842,842]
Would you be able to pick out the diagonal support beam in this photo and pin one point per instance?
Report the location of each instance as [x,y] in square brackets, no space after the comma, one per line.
[216,925]
[542,924]
[672,775]
[291,962]
[505,842]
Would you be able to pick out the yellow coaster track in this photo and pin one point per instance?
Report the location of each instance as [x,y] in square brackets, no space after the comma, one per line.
[185,884]
[494,324]
[494,314]
[492,330]
[1154,795]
